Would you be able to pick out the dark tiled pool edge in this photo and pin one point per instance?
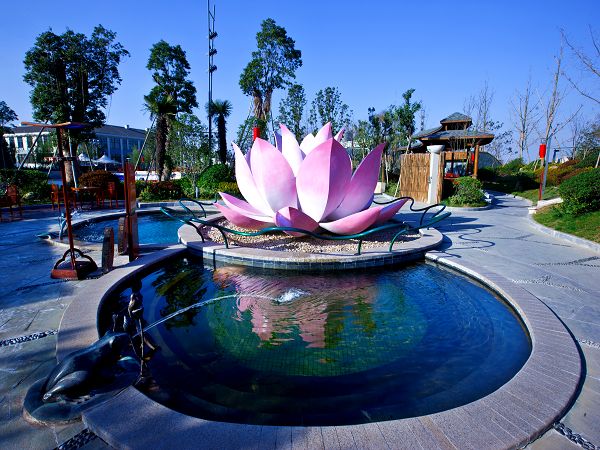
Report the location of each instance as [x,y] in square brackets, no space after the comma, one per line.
[517,413]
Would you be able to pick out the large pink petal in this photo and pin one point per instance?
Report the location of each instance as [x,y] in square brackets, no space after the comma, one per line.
[340,134]
[324,134]
[246,184]
[273,176]
[290,149]
[307,145]
[242,221]
[361,187]
[243,208]
[323,179]
[390,211]
[354,223]
[291,217]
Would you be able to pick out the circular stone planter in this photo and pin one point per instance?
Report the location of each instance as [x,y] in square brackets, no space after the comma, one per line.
[512,416]
[373,257]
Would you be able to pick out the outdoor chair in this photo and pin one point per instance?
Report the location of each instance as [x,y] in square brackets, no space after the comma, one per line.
[9,199]
[56,196]
[111,193]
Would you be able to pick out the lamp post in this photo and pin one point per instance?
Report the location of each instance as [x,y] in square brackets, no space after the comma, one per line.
[212,51]
[72,269]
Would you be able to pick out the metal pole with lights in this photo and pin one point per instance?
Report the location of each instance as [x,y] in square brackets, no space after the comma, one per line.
[544,157]
[212,51]
[72,269]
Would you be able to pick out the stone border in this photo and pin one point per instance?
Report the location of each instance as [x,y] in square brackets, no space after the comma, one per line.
[590,245]
[512,416]
[213,252]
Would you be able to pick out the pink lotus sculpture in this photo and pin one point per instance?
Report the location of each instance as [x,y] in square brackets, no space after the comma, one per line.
[306,186]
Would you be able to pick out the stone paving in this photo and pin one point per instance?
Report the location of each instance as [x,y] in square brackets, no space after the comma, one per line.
[559,273]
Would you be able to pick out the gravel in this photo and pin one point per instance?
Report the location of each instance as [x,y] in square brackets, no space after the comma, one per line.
[279,241]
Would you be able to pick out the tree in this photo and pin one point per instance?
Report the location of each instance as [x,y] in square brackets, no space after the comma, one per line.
[525,116]
[590,65]
[189,145]
[218,112]
[553,104]
[7,115]
[72,77]
[479,108]
[291,110]
[328,106]
[273,65]
[173,94]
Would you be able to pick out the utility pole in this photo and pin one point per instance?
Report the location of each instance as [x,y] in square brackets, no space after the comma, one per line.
[212,51]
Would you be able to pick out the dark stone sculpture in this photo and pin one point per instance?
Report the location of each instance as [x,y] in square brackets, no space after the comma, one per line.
[83,379]
[75,375]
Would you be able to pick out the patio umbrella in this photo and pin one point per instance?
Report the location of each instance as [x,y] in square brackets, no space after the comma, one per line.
[105,160]
[83,158]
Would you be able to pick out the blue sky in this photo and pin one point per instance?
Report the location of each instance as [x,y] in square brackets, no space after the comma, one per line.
[372,51]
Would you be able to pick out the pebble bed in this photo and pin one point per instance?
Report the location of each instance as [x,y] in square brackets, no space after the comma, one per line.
[282,242]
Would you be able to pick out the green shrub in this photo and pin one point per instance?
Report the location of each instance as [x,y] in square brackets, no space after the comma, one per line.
[468,192]
[32,184]
[210,178]
[581,193]
[590,159]
[230,187]
[98,178]
[161,190]
[511,167]
[487,174]
[560,172]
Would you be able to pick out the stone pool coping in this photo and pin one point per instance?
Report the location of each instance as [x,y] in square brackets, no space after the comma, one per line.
[213,252]
[512,416]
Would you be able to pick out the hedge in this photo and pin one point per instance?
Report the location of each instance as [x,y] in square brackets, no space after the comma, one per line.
[581,193]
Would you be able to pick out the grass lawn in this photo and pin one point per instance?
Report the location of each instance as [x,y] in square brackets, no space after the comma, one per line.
[585,225]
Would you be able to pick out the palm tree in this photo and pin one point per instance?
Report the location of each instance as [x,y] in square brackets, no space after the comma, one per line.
[163,108]
[218,112]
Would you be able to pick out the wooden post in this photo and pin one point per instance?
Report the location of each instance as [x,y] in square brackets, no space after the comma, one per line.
[130,212]
[476,162]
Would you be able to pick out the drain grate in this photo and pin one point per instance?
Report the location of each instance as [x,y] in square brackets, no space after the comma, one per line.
[574,437]
[27,338]
[79,440]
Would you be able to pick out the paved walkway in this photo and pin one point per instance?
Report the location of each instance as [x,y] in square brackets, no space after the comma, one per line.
[562,275]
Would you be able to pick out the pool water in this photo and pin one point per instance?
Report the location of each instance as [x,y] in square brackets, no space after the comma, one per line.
[154,228]
[287,348]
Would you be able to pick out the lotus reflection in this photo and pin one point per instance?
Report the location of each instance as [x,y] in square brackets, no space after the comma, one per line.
[316,309]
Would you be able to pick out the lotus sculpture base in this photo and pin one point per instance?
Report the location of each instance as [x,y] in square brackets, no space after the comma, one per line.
[280,251]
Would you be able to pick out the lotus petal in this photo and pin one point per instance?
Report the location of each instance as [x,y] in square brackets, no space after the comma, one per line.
[323,179]
[291,217]
[290,149]
[247,156]
[246,184]
[390,211]
[323,135]
[360,190]
[307,145]
[338,137]
[273,176]
[244,208]
[354,223]
[240,220]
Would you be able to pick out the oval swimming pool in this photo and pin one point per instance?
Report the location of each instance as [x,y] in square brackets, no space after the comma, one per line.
[340,348]
[153,228]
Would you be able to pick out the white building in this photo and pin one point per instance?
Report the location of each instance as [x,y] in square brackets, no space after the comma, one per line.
[116,142]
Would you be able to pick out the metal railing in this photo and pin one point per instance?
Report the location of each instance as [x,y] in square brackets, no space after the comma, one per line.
[198,223]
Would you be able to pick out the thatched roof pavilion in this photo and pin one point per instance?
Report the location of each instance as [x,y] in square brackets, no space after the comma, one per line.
[454,133]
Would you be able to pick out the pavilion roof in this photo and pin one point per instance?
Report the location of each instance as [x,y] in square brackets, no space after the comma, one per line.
[457,117]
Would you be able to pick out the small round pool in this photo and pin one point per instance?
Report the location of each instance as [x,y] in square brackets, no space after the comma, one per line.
[153,228]
[338,348]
